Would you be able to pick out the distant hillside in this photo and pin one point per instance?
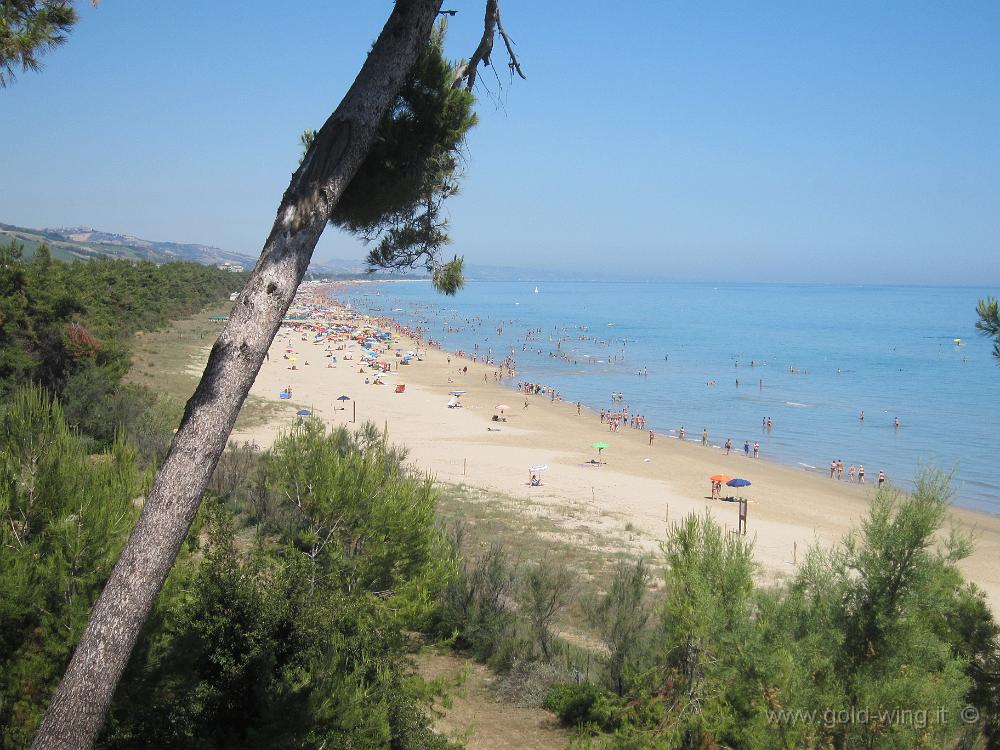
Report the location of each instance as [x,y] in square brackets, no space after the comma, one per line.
[85,243]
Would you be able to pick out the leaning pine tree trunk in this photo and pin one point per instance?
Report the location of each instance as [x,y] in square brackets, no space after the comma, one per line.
[78,709]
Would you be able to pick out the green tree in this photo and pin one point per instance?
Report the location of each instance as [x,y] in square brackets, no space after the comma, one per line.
[544,593]
[704,619]
[64,517]
[362,519]
[294,643]
[989,321]
[28,29]
[77,711]
[875,643]
[396,198]
[621,616]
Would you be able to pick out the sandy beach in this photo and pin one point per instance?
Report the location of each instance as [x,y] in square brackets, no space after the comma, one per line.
[639,484]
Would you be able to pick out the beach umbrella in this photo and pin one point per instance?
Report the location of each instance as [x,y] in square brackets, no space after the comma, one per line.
[502,407]
[600,447]
[303,413]
[719,478]
[737,482]
[455,393]
[533,470]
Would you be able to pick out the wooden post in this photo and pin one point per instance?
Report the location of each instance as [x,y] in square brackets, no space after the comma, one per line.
[355,405]
[464,461]
[795,552]
[743,516]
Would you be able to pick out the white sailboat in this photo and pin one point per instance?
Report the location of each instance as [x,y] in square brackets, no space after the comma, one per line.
[536,290]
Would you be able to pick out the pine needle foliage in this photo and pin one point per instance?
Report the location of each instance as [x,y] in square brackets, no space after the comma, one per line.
[28,29]
[64,517]
[989,321]
[396,199]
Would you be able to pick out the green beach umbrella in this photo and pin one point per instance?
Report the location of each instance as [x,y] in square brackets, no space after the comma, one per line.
[600,447]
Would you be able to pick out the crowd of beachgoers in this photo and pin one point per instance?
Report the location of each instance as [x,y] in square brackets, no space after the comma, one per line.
[314,305]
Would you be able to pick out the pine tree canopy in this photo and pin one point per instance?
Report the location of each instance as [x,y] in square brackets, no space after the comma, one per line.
[395,199]
[29,28]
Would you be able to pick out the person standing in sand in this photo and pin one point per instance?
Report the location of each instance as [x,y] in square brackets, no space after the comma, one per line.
[851,473]
[704,437]
[651,436]
[681,433]
[746,448]
[881,477]
[861,474]
[756,449]
[729,445]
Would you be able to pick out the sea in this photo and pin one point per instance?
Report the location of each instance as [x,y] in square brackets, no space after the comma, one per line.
[810,358]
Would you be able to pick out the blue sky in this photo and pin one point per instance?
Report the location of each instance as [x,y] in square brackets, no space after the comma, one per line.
[773,141]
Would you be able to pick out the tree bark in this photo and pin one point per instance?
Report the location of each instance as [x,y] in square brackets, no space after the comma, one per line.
[77,711]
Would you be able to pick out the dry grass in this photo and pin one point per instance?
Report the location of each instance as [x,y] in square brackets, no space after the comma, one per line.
[162,361]
[476,717]
[571,535]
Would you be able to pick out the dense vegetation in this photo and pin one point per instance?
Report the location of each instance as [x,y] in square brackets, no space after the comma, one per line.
[876,643]
[65,327]
[284,622]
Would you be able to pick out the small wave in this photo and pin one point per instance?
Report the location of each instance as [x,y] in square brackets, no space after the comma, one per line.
[797,405]
[808,466]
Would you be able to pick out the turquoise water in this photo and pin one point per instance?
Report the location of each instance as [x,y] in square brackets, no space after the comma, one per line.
[887,350]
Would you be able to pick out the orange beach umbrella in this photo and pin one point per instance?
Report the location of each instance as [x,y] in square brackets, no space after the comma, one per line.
[719,478]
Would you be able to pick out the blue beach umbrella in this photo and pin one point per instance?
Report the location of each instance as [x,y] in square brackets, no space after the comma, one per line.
[738,482]
[303,413]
